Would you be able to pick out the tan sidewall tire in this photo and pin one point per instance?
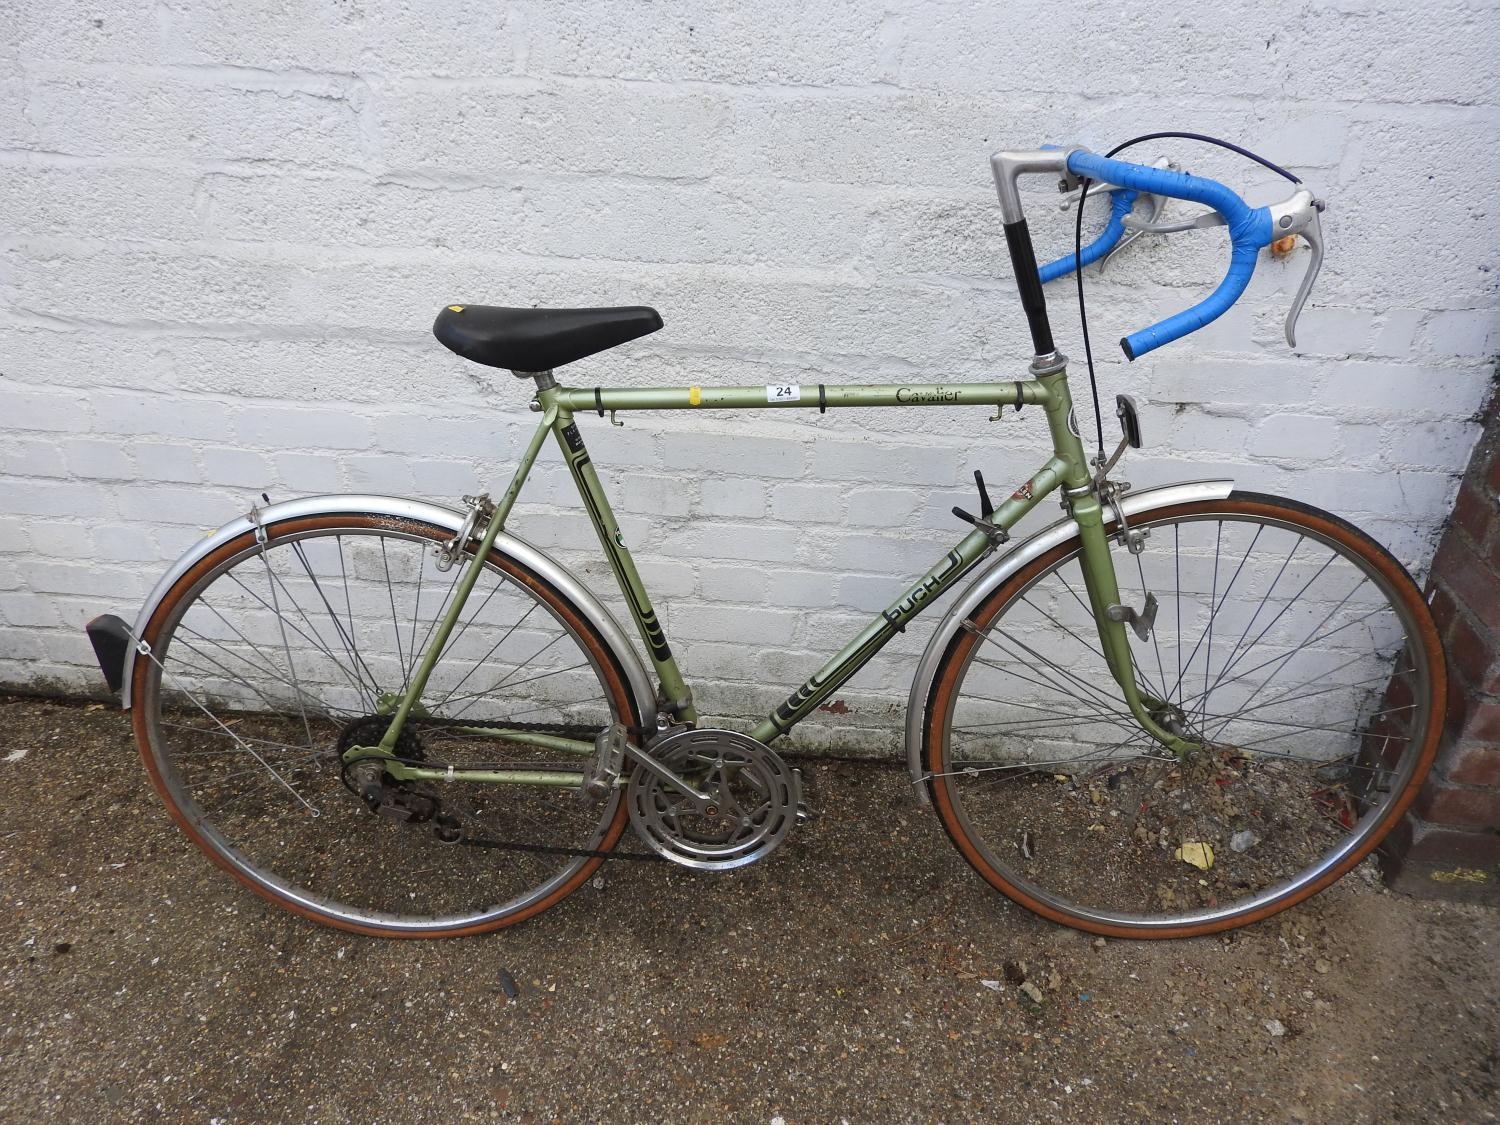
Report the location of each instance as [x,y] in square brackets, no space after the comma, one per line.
[612,678]
[945,684]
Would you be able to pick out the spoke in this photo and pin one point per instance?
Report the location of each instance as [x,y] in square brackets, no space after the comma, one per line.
[474,616]
[1286,562]
[1071,715]
[416,611]
[338,626]
[1282,661]
[1177,592]
[1052,719]
[1251,746]
[1381,677]
[248,749]
[285,644]
[349,610]
[1096,706]
[263,662]
[1341,728]
[395,619]
[314,640]
[303,697]
[1087,644]
[188,667]
[475,696]
[1236,655]
[1031,727]
[269,744]
[1287,655]
[1213,609]
[1089,706]
[485,658]
[1287,697]
[1161,672]
[285,763]
[1344,761]
[1054,763]
[1094,693]
[1208,659]
[433,622]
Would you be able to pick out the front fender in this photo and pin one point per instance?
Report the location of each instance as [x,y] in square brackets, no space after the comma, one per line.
[981,588]
[445,517]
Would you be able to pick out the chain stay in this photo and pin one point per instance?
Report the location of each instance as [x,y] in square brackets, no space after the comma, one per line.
[562,730]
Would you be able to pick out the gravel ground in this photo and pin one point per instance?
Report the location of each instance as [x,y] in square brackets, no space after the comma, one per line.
[863,973]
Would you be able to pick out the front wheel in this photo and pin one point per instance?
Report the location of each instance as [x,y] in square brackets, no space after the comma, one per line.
[1289,647]
[268,659]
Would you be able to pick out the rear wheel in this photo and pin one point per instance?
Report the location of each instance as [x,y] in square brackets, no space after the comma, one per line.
[1293,649]
[267,660]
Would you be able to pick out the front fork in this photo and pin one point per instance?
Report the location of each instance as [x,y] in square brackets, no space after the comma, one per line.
[1082,499]
[1104,594]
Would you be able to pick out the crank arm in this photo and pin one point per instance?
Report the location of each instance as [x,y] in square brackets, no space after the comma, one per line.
[700,800]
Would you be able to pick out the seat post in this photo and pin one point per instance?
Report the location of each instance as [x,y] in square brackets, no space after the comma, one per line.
[544,380]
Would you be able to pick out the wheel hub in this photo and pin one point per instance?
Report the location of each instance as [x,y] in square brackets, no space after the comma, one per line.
[367,777]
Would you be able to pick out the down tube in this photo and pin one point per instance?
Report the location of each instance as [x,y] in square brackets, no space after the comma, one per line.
[953,566]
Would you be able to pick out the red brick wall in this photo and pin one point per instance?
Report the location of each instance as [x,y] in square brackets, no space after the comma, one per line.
[1450,841]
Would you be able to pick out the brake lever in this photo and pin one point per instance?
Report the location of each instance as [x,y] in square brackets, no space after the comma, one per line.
[1197,222]
[1135,228]
[1306,220]
[1298,215]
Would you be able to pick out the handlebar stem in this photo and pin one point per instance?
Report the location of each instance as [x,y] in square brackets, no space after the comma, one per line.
[1007,167]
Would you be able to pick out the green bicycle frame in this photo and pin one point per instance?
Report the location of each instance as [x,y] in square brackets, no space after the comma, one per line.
[1067,469]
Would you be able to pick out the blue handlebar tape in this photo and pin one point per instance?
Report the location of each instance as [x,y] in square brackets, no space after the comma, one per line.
[1249,230]
[1121,202]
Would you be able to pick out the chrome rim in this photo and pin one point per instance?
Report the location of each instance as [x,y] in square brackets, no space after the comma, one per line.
[279,650]
[1295,664]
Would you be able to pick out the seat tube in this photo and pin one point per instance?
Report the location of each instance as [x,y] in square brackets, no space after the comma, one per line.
[676,698]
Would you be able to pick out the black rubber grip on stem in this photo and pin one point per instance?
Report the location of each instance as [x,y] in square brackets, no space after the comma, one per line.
[1023,260]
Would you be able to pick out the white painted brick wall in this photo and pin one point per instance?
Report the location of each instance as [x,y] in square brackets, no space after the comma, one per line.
[227,226]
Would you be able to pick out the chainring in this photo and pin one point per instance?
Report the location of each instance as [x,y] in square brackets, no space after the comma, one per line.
[753,800]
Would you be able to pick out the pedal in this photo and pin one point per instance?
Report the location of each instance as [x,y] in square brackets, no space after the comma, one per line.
[804,811]
[609,760]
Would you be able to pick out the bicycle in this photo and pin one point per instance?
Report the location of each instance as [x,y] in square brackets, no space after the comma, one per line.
[1173,712]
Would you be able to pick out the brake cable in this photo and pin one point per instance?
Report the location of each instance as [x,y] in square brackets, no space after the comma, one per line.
[1083,322]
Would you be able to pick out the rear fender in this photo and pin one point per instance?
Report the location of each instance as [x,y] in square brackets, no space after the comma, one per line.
[450,519]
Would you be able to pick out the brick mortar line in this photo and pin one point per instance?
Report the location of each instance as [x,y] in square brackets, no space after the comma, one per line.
[292,79]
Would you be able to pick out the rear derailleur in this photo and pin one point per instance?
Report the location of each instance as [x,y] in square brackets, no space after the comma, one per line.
[382,794]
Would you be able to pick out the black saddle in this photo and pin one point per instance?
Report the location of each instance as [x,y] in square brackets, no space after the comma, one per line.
[538,339]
